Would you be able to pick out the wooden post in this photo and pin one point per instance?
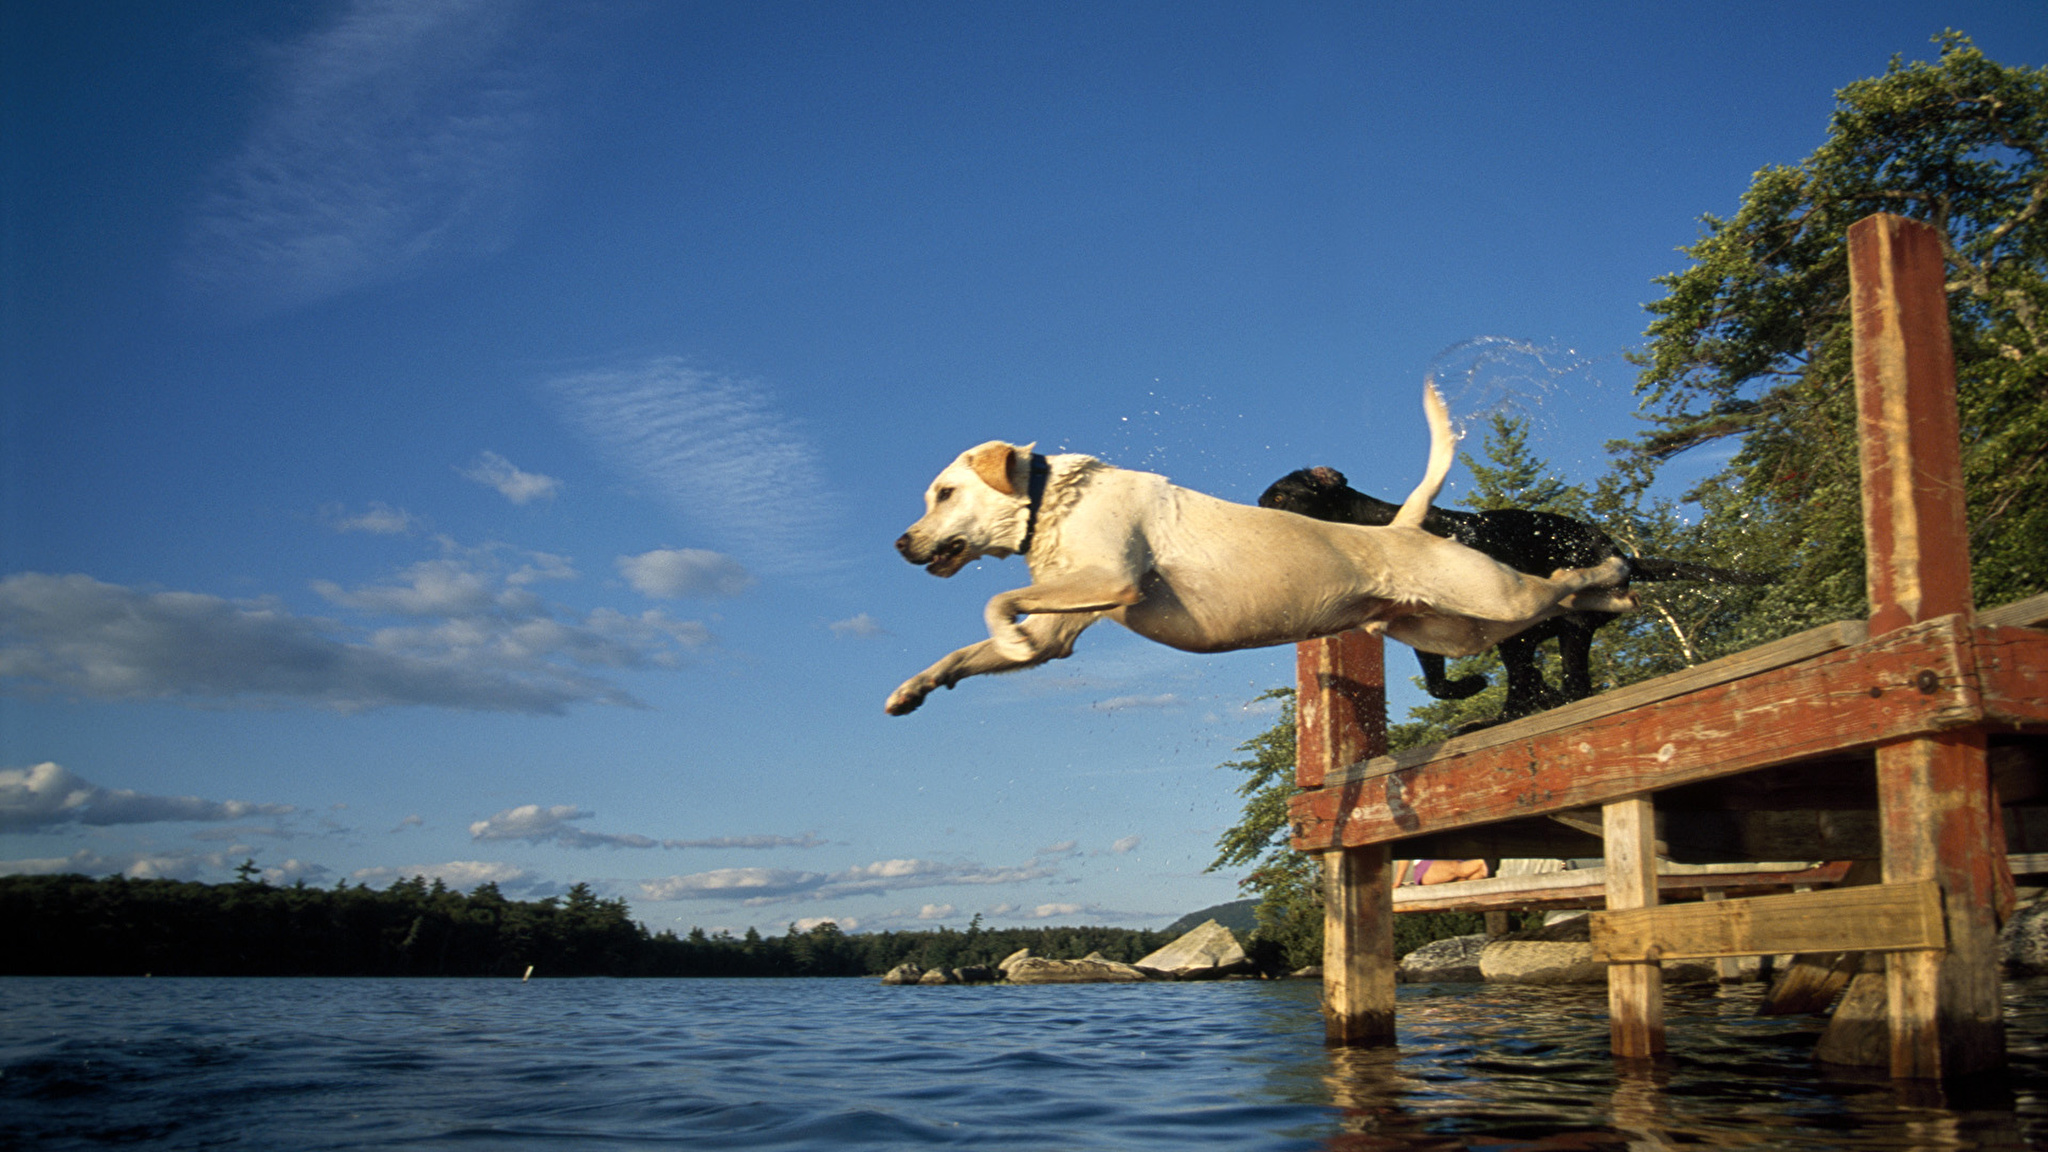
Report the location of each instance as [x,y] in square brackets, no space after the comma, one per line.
[1341,718]
[1635,989]
[1934,793]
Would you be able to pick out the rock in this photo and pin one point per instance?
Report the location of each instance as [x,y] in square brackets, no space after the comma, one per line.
[1204,953]
[1012,958]
[1312,972]
[937,976]
[903,974]
[976,974]
[1562,953]
[1092,969]
[1451,961]
[2023,942]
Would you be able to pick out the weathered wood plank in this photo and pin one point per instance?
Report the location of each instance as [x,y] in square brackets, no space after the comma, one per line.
[2012,672]
[1587,888]
[2029,613]
[1635,984]
[1358,946]
[1340,703]
[1872,918]
[1762,658]
[1934,790]
[1916,680]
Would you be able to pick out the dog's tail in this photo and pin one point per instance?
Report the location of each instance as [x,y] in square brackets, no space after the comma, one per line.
[1443,449]
[1652,568]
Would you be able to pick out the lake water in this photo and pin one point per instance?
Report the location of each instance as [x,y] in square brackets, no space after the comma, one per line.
[839,1064]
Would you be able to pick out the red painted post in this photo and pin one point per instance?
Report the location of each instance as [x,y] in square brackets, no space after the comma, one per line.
[1340,718]
[1935,804]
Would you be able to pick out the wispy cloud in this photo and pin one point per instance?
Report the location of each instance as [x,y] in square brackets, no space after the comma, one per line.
[379,519]
[555,824]
[513,483]
[134,865]
[858,627]
[49,794]
[757,886]
[393,137]
[673,573]
[472,636]
[454,873]
[1161,702]
[718,451]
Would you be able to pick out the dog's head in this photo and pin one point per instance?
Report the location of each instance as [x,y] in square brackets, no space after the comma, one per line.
[979,506]
[1323,494]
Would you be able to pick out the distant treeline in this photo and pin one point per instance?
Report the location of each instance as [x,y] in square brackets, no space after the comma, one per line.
[77,926]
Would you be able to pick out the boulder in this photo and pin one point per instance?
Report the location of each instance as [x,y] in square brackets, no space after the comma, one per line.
[937,976]
[1204,953]
[1562,953]
[976,974]
[1450,961]
[1092,969]
[903,974]
[1004,965]
[2023,942]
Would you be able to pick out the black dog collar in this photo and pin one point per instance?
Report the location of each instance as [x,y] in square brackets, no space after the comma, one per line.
[1041,471]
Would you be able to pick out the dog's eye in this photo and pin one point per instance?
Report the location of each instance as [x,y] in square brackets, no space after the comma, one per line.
[942,495]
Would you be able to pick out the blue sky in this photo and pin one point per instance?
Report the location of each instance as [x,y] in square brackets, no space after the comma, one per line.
[467,438]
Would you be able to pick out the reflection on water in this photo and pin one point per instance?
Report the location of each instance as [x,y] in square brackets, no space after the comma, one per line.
[836,1064]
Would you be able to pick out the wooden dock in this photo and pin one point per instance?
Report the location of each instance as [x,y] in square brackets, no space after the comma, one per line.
[1918,738]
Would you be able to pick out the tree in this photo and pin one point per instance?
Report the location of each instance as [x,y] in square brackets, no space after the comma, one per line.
[1753,340]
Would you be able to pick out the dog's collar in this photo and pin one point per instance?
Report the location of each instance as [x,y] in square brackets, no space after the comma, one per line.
[1041,471]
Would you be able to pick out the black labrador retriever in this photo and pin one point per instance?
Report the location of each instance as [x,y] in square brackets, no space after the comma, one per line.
[1535,542]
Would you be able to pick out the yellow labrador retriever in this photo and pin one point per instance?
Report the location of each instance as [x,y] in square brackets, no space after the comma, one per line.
[1205,575]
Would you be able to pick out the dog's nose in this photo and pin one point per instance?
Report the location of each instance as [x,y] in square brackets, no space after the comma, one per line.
[904,545]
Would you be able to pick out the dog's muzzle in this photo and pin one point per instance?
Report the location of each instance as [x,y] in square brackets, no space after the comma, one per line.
[948,557]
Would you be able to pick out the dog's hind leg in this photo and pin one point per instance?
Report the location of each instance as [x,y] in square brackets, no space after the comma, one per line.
[1575,647]
[1051,636]
[1441,687]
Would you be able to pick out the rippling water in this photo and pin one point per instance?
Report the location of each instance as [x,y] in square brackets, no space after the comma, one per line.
[834,1064]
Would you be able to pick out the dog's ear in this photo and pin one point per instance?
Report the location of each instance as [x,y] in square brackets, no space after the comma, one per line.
[991,462]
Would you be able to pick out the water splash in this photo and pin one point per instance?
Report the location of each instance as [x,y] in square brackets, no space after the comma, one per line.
[1563,396]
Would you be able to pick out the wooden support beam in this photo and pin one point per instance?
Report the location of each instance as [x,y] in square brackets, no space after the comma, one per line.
[1872,918]
[1935,805]
[1358,946]
[1635,986]
[1340,717]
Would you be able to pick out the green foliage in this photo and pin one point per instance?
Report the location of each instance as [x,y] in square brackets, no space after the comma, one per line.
[1753,340]
[78,926]
[1752,343]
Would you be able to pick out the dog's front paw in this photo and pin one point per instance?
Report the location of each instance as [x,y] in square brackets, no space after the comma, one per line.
[905,699]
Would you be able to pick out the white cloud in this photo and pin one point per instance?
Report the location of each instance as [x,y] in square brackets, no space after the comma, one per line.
[755,886]
[671,573]
[1060,849]
[935,912]
[476,645]
[716,450]
[394,137]
[1048,911]
[861,626]
[454,873]
[1124,703]
[134,865]
[1126,844]
[846,923]
[380,519]
[494,471]
[49,794]
[538,825]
